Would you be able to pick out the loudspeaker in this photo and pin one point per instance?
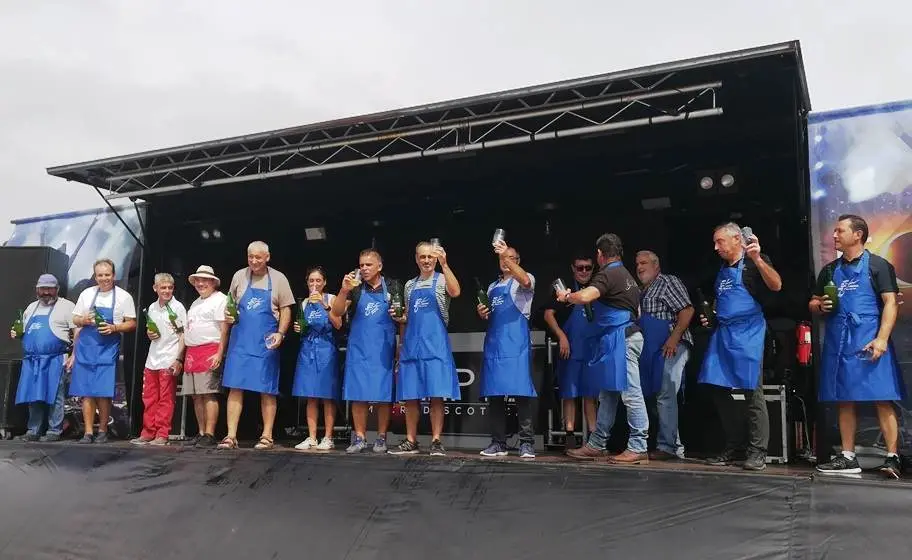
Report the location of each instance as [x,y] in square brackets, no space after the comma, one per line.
[20,268]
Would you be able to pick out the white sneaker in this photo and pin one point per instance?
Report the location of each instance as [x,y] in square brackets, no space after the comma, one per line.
[326,444]
[308,443]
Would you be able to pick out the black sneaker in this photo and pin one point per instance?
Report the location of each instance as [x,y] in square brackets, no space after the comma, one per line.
[891,467]
[206,442]
[723,460]
[192,442]
[840,465]
[406,447]
[102,437]
[755,462]
[437,449]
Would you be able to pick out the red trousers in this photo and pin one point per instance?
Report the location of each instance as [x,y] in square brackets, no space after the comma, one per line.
[158,401]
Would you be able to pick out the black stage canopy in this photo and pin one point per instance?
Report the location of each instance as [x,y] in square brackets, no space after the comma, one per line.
[70,501]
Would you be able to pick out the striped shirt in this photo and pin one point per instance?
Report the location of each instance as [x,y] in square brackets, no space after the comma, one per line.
[665,297]
[443,298]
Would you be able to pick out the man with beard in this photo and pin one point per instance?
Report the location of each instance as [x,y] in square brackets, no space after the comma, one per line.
[371,349]
[103,314]
[734,357]
[47,327]
[666,312]
[859,362]
[572,326]
[206,338]
[165,322]
[426,366]
[614,366]
[265,300]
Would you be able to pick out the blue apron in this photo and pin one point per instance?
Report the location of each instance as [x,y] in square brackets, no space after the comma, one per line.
[370,350]
[426,366]
[847,373]
[607,367]
[42,364]
[316,373]
[571,373]
[735,353]
[95,366]
[250,366]
[652,358]
[507,365]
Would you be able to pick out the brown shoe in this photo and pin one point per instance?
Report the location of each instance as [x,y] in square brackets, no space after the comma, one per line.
[659,455]
[629,458]
[587,453]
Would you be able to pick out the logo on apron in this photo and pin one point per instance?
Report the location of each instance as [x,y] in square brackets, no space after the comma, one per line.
[421,303]
[34,327]
[497,301]
[725,285]
[848,285]
[254,303]
[371,308]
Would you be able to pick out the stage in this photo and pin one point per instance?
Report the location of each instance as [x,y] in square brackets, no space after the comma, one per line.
[118,501]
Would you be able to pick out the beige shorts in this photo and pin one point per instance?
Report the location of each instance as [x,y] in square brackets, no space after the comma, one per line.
[206,383]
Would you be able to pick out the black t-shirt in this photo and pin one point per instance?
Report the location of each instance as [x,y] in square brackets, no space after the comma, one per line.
[617,288]
[883,275]
[562,310]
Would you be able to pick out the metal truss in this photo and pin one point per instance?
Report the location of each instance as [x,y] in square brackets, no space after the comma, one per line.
[427,132]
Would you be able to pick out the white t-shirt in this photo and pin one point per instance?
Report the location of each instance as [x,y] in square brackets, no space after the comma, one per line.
[522,297]
[165,349]
[124,307]
[61,319]
[204,320]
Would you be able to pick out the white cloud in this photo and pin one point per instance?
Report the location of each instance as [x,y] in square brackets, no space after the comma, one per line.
[94,79]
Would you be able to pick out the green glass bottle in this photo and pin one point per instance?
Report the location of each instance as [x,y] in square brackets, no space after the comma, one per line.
[231,307]
[481,295]
[396,300]
[172,316]
[99,319]
[832,292]
[302,318]
[18,325]
[151,326]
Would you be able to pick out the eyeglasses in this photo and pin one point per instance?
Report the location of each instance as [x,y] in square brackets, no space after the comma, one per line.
[583,268]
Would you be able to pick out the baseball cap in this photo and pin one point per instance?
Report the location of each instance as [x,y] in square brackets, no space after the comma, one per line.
[47,281]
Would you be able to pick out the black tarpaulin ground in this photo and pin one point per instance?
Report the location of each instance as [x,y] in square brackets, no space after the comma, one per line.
[68,501]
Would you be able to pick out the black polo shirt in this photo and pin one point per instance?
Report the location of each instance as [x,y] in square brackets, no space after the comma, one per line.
[562,310]
[883,275]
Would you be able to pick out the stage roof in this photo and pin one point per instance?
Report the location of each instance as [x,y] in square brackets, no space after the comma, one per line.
[651,95]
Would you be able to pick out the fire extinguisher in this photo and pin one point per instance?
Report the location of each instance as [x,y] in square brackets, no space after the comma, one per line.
[804,343]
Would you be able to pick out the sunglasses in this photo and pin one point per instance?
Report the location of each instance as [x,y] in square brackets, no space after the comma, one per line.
[583,268]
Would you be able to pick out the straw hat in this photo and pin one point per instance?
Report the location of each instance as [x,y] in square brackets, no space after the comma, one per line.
[205,272]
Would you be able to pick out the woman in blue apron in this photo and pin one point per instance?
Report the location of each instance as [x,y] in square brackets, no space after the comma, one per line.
[249,364]
[848,373]
[316,373]
[44,355]
[369,357]
[426,366]
[94,369]
[734,356]
[607,368]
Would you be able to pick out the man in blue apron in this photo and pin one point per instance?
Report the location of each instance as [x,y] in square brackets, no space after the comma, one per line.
[507,364]
[734,356]
[426,366]
[666,313]
[46,334]
[265,301]
[859,362]
[371,349]
[571,324]
[616,346]
[102,313]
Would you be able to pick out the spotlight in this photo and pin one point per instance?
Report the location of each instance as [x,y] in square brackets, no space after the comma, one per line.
[727,180]
[204,234]
[706,183]
[217,234]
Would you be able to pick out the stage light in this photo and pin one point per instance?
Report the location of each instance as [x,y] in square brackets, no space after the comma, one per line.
[204,234]
[727,180]
[706,183]
[315,234]
[217,234]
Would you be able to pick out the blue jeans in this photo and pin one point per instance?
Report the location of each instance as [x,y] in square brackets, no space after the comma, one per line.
[637,417]
[40,411]
[667,402]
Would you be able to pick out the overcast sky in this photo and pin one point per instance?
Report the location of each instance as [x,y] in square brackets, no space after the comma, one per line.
[91,79]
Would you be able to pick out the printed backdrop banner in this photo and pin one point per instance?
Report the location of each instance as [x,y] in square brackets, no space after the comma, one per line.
[861,163]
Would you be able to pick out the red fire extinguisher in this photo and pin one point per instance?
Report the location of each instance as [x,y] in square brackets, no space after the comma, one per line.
[804,343]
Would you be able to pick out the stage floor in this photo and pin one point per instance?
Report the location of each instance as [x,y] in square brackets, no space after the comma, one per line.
[119,501]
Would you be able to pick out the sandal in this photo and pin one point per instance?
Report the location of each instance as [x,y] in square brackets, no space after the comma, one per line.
[228,443]
[264,443]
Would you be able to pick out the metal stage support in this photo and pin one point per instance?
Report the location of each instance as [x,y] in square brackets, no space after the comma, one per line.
[536,114]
